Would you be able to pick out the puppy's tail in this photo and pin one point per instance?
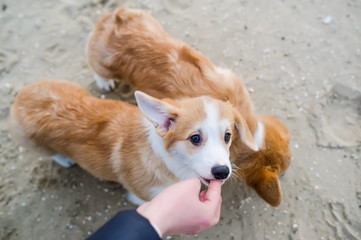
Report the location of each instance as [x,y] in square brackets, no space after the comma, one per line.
[20,131]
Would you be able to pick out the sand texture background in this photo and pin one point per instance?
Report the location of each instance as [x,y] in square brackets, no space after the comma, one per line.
[300,60]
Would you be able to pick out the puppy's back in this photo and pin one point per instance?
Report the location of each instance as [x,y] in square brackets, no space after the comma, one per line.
[35,109]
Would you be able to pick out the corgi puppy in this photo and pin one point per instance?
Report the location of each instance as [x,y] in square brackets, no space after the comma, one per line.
[130,45]
[145,149]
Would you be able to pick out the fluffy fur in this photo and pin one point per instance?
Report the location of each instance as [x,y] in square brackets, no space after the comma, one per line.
[145,149]
[129,44]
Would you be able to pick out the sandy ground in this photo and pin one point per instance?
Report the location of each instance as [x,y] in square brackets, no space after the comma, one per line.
[301,61]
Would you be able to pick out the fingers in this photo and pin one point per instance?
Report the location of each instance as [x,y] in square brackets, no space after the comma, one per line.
[218,212]
[193,183]
[214,199]
[193,186]
[214,191]
[202,196]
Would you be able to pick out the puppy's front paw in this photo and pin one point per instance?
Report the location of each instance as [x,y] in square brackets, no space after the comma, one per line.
[103,83]
[135,199]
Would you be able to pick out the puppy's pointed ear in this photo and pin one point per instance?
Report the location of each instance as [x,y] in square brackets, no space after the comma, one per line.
[268,187]
[244,132]
[160,113]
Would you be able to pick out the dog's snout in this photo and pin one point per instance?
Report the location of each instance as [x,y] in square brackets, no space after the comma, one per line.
[220,171]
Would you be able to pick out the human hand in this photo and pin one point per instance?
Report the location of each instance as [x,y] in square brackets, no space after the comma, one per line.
[181,209]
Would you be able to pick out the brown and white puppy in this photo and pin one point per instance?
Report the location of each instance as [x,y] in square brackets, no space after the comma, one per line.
[145,149]
[129,44]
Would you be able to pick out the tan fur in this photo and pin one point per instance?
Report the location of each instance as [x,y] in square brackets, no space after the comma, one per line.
[61,117]
[129,44]
[107,138]
[262,169]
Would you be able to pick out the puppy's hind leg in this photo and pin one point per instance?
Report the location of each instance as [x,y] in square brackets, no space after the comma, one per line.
[63,160]
[104,83]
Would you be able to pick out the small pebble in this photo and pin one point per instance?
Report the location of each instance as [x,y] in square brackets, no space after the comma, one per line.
[327,20]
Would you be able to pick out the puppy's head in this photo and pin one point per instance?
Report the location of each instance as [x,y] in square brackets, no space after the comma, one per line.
[261,169]
[197,134]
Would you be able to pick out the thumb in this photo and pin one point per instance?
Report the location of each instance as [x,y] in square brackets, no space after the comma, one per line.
[214,191]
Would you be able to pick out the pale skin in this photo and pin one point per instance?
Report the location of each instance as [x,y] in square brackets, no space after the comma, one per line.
[183,209]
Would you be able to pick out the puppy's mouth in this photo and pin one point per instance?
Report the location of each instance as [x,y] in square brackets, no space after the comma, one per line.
[207,181]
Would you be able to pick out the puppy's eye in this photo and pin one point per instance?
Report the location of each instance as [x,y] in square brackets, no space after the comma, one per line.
[195,139]
[227,137]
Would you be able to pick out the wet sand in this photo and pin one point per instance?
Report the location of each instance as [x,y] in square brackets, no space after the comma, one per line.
[301,62]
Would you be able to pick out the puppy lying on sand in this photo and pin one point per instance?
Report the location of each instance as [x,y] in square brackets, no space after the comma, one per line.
[130,45]
[145,149]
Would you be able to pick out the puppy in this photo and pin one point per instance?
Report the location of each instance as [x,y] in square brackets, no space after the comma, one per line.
[145,149]
[130,45]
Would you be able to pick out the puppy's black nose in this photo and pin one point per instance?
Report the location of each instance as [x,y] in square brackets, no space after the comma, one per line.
[220,172]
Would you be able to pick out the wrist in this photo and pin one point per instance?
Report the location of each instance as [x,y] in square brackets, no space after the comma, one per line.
[156,228]
[154,219]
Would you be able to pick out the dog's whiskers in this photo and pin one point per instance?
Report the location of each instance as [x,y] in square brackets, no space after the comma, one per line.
[236,171]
